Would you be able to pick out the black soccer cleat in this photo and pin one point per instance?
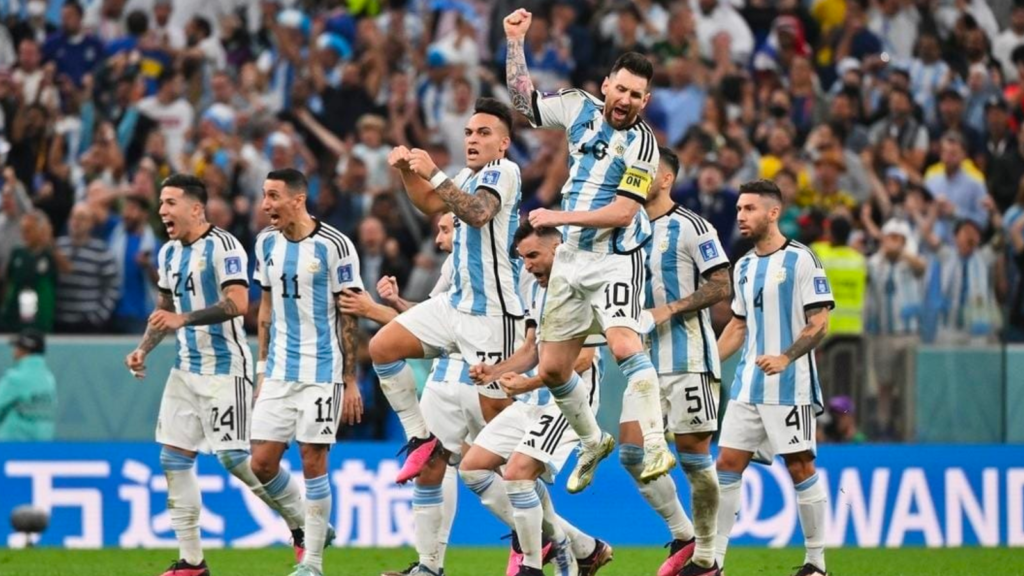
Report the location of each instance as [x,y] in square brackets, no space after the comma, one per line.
[525,570]
[694,569]
[809,569]
[602,554]
[182,568]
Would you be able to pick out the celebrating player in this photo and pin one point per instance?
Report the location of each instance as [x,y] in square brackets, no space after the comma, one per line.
[780,314]
[306,376]
[532,439]
[689,273]
[598,274]
[480,317]
[203,294]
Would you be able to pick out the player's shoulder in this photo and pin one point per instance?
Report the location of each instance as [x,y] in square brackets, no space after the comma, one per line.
[168,248]
[690,220]
[746,259]
[224,240]
[576,95]
[805,255]
[643,141]
[266,233]
[336,239]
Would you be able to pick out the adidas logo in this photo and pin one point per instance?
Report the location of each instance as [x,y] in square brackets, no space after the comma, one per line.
[226,438]
[695,421]
[619,314]
[493,386]
[328,432]
[530,443]
[795,440]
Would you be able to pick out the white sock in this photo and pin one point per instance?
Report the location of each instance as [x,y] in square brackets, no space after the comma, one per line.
[528,517]
[490,487]
[573,400]
[427,504]
[660,493]
[642,392]
[558,529]
[318,514]
[700,471]
[399,386]
[450,488]
[810,499]
[729,485]
[183,502]
[238,463]
[286,493]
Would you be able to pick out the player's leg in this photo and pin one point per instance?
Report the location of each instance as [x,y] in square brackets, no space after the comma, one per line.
[318,505]
[477,471]
[743,432]
[791,430]
[521,475]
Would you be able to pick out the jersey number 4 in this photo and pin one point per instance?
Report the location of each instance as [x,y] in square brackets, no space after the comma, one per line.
[189,284]
[759,299]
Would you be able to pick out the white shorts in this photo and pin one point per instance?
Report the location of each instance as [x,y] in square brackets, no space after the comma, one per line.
[287,411]
[689,401]
[452,412]
[540,432]
[203,413]
[478,339]
[589,293]
[787,429]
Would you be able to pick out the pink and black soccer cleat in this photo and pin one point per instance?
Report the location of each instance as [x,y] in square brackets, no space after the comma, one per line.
[680,553]
[182,568]
[515,555]
[693,569]
[602,554]
[420,451]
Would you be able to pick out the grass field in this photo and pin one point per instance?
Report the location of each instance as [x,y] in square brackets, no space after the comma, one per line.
[491,562]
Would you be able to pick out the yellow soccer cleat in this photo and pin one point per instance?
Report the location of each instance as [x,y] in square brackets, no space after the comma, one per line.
[658,461]
[587,461]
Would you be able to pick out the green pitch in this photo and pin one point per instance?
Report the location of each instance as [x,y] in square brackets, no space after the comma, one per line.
[491,562]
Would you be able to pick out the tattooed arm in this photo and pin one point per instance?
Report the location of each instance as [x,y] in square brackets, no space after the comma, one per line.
[235,303]
[812,335]
[352,400]
[717,288]
[473,209]
[517,77]
[136,361]
[263,326]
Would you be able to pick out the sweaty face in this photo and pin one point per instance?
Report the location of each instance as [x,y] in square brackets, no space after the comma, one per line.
[754,213]
[486,140]
[538,256]
[281,205]
[445,232]
[625,95]
[179,212]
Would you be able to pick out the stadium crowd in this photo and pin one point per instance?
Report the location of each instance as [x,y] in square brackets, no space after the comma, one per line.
[894,128]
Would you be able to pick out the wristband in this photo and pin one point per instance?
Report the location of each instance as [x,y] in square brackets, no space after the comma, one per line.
[261,367]
[438,179]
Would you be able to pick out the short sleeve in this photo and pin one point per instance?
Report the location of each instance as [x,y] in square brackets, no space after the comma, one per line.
[739,305]
[232,264]
[444,282]
[162,281]
[345,272]
[815,290]
[641,158]
[501,179]
[557,109]
[705,248]
[260,274]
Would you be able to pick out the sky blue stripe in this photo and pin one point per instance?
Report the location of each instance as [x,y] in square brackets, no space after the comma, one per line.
[737,381]
[211,293]
[787,380]
[268,252]
[464,374]
[513,224]
[177,341]
[292,323]
[321,317]
[441,371]
[603,196]
[673,292]
[890,290]
[757,384]
[475,256]
[456,266]
[195,361]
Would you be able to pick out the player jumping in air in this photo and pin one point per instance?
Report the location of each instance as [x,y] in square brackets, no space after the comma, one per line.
[203,294]
[780,314]
[306,376]
[598,276]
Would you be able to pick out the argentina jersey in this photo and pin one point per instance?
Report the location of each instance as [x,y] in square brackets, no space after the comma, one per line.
[683,250]
[195,275]
[485,275]
[603,163]
[773,293]
[895,293]
[303,279]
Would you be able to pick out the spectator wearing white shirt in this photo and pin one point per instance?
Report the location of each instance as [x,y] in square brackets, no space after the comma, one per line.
[172,113]
[653,23]
[716,17]
[454,121]
[1012,37]
[36,86]
[970,314]
[896,24]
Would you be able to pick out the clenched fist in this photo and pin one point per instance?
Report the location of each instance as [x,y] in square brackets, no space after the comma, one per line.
[517,23]
[398,158]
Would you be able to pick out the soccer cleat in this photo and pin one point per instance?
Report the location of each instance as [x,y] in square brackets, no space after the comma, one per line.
[515,554]
[587,461]
[306,570]
[680,552]
[693,569]
[405,572]
[564,561]
[182,568]
[809,569]
[299,542]
[528,571]
[420,451]
[658,461]
[602,554]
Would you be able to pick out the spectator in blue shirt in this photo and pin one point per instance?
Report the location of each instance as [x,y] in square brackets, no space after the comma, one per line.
[75,52]
[134,245]
[958,188]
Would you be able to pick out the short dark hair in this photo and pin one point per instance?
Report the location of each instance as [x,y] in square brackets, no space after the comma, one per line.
[635,63]
[966,222]
[294,180]
[670,159]
[137,23]
[762,187]
[74,5]
[204,25]
[189,184]
[526,230]
[497,109]
[839,227]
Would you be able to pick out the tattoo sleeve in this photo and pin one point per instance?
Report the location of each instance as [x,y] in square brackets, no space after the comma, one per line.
[153,336]
[717,288]
[220,312]
[520,87]
[263,327]
[473,209]
[809,338]
[349,345]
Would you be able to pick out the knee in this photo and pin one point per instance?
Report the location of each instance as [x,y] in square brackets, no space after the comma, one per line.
[264,468]
[476,480]
[379,349]
[729,462]
[631,456]
[522,469]
[623,344]
[800,469]
[174,461]
[553,375]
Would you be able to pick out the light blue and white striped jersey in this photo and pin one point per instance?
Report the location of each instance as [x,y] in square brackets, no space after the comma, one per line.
[603,163]
[968,291]
[895,294]
[195,275]
[303,279]
[773,293]
[683,250]
[450,368]
[485,274]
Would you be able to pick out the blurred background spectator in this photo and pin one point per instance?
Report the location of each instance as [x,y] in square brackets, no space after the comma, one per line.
[28,392]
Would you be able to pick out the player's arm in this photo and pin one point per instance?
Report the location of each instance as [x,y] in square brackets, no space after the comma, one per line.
[360,304]
[345,278]
[263,326]
[387,291]
[716,289]
[513,383]
[418,188]
[732,337]
[517,77]
[476,209]
[136,361]
[522,360]
[234,303]
[812,335]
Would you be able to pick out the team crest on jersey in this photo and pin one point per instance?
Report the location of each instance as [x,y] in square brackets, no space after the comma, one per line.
[491,177]
[345,274]
[780,276]
[232,265]
[313,267]
[663,247]
[620,149]
[708,250]
[201,264]
[821,286]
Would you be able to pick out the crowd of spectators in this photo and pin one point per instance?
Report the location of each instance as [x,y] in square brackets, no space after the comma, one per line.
[895,129]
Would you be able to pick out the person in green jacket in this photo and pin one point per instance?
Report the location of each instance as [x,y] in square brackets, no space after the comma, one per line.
[30,297]
[28,392]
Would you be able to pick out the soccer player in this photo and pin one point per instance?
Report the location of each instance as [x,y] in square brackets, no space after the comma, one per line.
[780,314]
[306,375]
[203,295]
[532,439]
[689,272]
[481,315]
[598,275]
